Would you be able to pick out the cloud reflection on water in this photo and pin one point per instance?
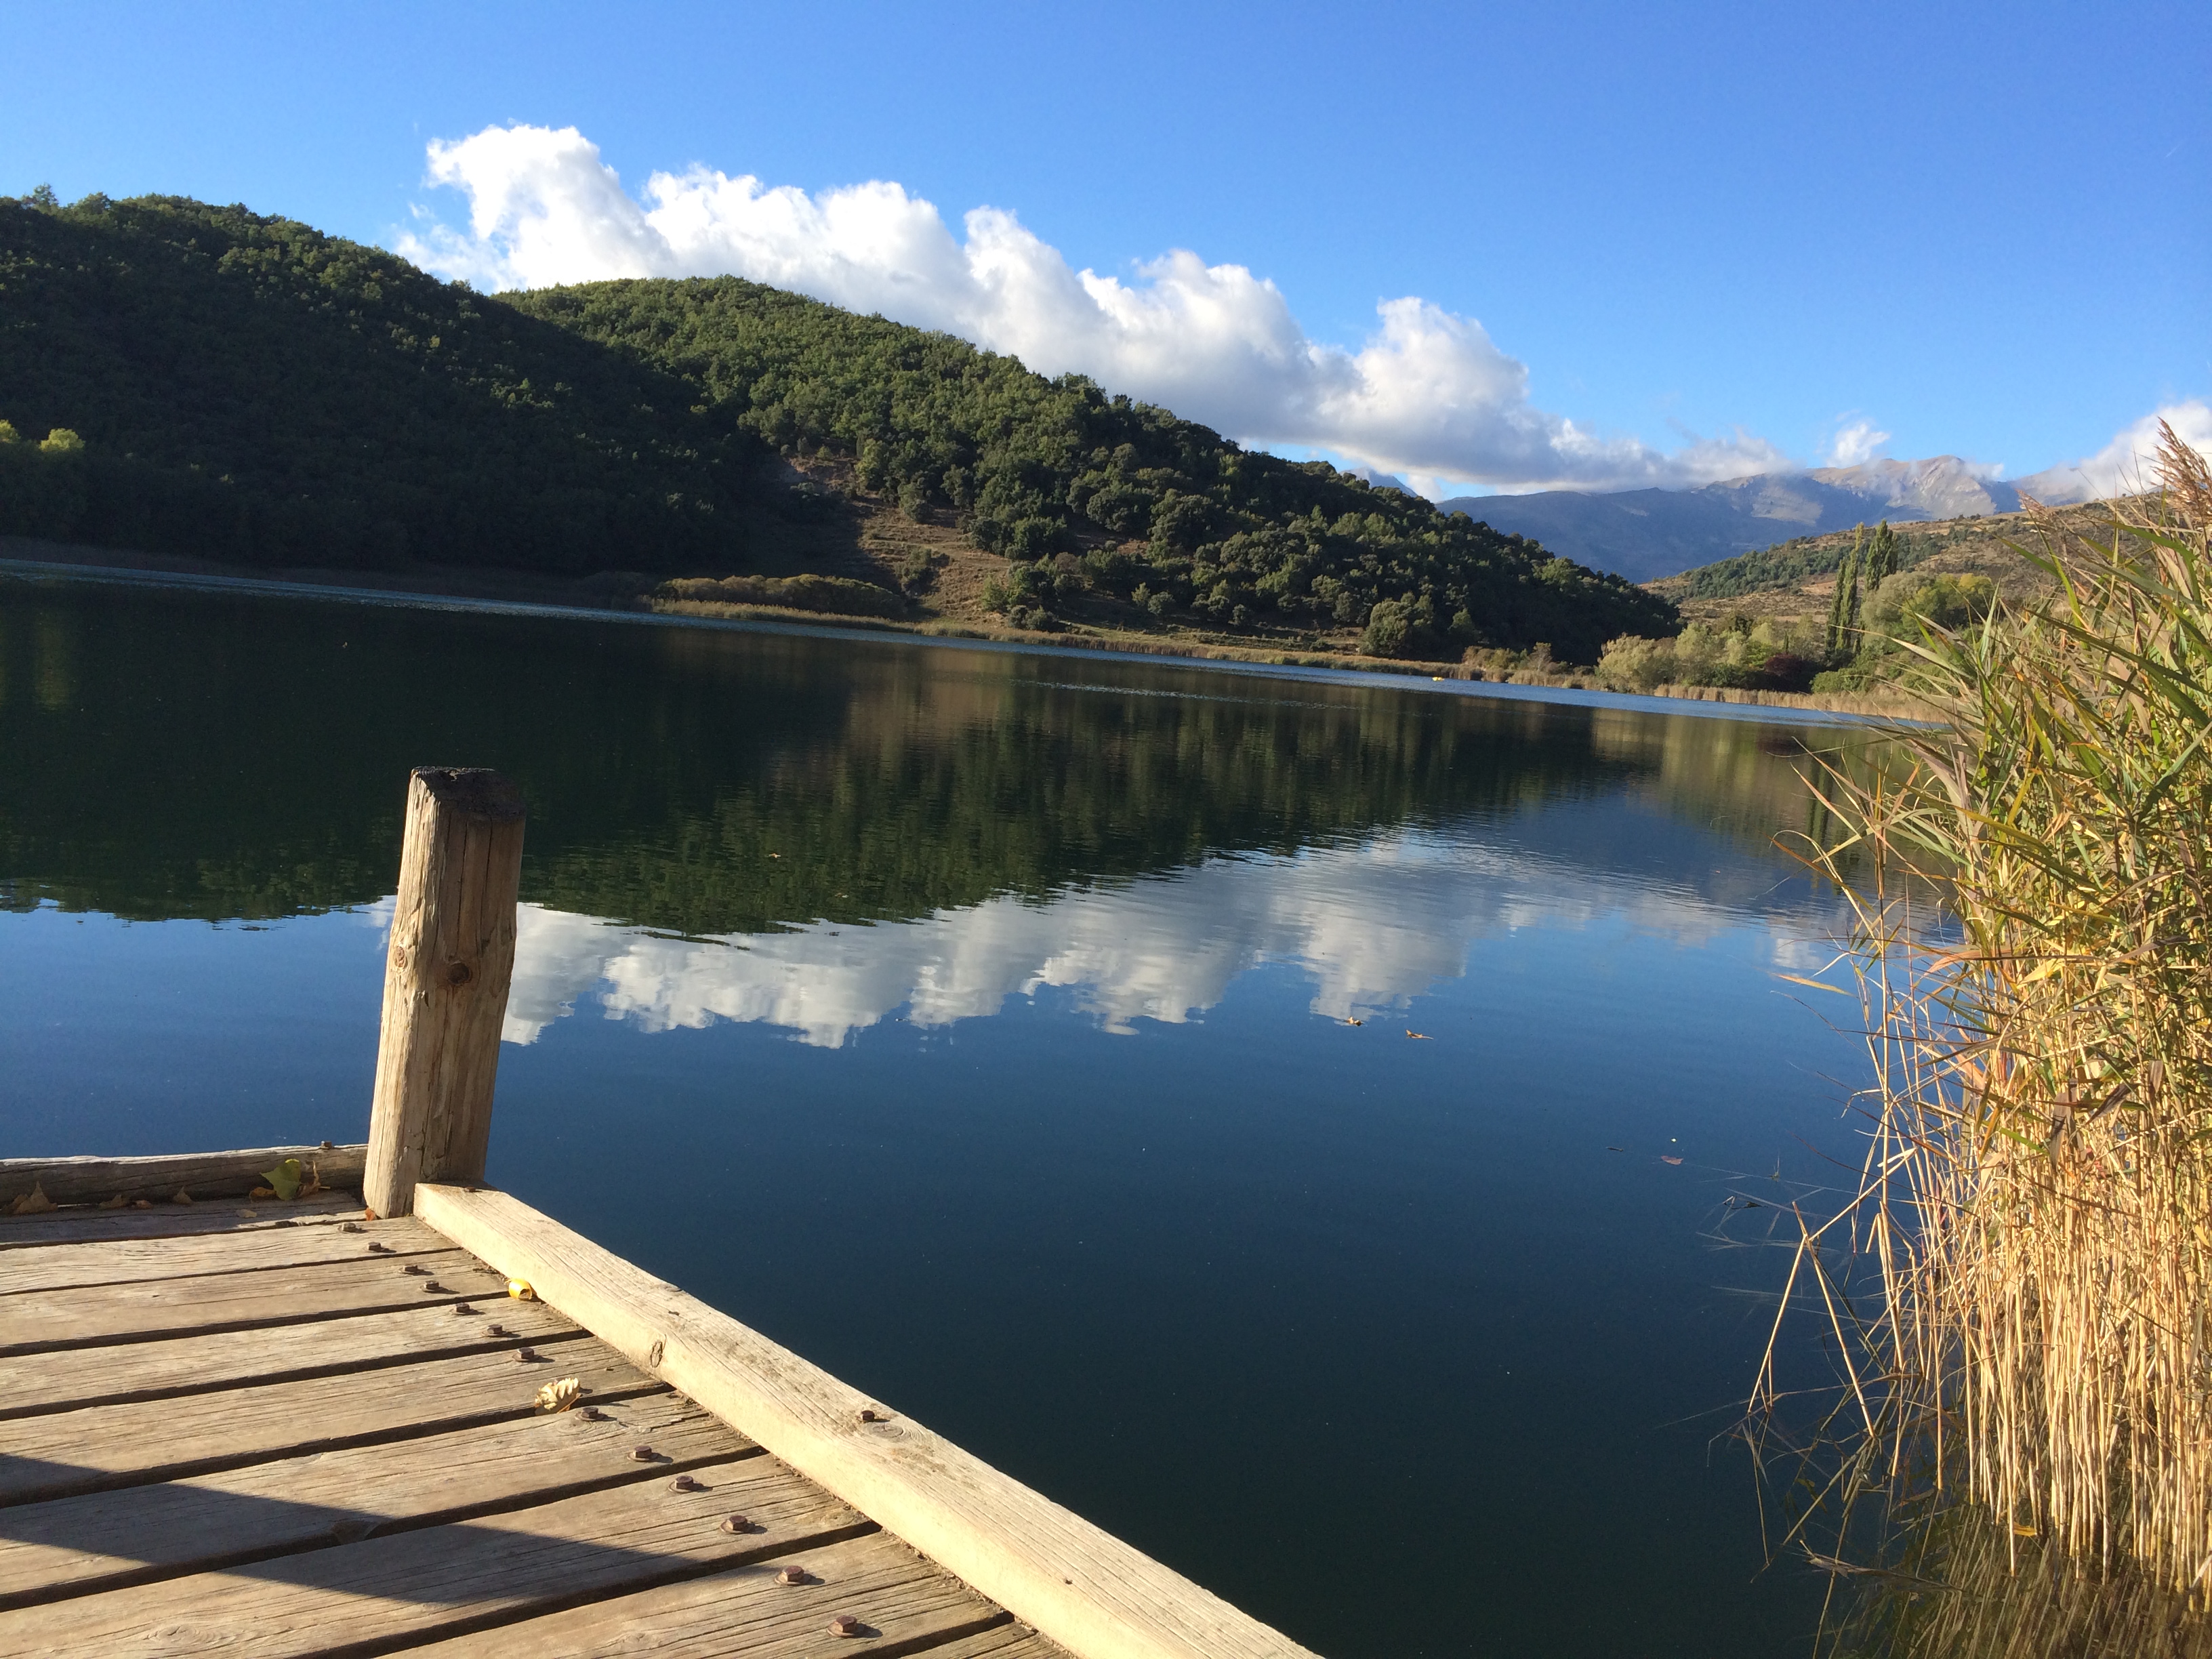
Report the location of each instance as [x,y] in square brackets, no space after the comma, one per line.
[1374,925]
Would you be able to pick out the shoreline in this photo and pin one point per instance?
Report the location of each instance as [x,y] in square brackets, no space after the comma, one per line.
[1706,702]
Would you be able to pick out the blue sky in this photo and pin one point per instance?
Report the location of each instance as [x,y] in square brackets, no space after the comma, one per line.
[1980,230]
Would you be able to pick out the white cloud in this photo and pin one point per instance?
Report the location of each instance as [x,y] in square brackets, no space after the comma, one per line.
[1429,393]
[1856,444]
[2126,465]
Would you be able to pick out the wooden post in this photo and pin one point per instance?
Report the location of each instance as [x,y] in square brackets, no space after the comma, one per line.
[445,984]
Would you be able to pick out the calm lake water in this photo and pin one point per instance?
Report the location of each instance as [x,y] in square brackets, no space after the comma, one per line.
[979,1024]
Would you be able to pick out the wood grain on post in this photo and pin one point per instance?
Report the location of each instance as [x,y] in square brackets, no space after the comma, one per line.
[445,984]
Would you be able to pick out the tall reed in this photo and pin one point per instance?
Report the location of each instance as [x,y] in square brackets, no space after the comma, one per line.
[2021,1295]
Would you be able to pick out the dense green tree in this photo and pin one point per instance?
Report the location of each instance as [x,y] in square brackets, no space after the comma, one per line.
[1881,556]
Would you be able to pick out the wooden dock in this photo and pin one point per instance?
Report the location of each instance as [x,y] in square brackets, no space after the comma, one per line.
[269,1427]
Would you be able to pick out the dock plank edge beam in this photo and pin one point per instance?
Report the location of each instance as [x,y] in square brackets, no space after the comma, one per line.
[1070,1580]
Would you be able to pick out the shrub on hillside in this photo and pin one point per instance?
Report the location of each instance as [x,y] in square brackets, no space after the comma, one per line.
[833,595]
[1746,656]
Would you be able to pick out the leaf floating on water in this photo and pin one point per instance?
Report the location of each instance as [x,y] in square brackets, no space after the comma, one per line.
[1355,1022]
[1419,1037]
[1666,1158]
[284,1179]
[1616,1149]
[35,1202]
[559,1397]
[520,1291]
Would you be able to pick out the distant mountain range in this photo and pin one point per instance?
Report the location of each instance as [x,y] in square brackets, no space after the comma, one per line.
[1645,534]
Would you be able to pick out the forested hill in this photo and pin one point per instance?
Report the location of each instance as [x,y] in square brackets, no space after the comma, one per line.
[247,389]
[1039,469]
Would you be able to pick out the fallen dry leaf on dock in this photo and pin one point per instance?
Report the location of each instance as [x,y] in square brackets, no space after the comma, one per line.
[284,1180]
[116,1202]
[520,1291]
[559,1397]
[35,1202]
[182,1197]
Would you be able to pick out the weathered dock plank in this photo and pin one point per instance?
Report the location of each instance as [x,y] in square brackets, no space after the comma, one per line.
[99,1447]
[123,1261]
[90,1179]
[1014,1641]
[64,1379]
[386,1592]
[901,1603]
[88,1223]
[257,1300]
[104,1540]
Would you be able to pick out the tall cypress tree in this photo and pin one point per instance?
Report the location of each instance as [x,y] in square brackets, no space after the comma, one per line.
[1843,608]
[1882,560]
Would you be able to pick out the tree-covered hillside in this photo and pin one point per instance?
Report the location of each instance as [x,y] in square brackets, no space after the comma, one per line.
[1985,544]
[246,388]
[1159,509]
[249,390]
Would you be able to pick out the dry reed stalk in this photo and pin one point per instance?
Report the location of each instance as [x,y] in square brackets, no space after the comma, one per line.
[2034,1217]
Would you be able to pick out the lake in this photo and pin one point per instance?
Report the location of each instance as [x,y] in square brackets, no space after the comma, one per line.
[1301,1124]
